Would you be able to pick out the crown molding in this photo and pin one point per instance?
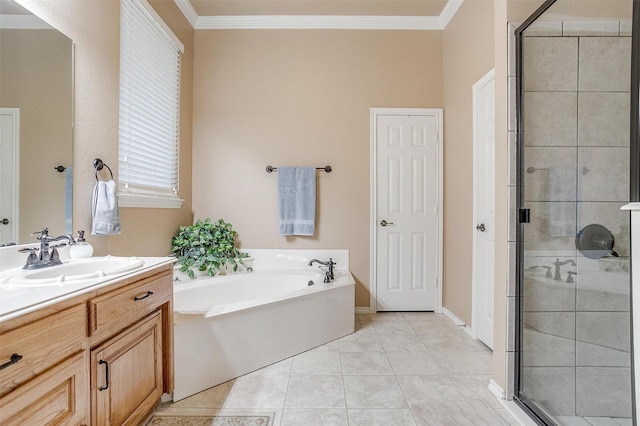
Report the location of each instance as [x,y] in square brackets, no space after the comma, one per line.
[23,22]
[449,11]
[319,22]
[188,11]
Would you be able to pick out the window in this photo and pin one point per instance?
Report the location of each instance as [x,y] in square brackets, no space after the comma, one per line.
[149,109]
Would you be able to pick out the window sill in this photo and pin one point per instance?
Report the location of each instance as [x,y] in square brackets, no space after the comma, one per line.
[148,201]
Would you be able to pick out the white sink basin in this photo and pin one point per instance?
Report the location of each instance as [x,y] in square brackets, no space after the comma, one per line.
[72,271]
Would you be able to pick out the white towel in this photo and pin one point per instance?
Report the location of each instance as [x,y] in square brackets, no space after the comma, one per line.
[106,216]
[297,200]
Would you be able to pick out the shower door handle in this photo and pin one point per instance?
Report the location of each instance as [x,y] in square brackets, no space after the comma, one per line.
[481,227]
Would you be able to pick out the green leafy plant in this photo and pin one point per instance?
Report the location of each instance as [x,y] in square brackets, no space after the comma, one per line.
[206,246]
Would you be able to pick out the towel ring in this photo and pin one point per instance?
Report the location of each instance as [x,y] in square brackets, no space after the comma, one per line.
[98,164]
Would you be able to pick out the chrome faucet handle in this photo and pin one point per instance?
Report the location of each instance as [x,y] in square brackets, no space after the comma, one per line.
[33,257]
[42,234]
[28,249]
[331,264]
[54,251]
[570,275]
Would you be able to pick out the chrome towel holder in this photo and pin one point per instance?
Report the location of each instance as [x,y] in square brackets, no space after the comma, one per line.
[327,169]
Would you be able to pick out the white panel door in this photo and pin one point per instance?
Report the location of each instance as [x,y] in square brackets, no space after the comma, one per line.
[407,193]
[484,208]
[9,119]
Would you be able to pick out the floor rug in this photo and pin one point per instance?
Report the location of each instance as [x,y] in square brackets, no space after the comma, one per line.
[218,420]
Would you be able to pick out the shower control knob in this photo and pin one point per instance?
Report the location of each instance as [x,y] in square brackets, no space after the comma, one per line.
[481,227]
[385,223]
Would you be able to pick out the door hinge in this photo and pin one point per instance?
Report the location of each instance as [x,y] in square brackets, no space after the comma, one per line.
[435,282]
[524,216]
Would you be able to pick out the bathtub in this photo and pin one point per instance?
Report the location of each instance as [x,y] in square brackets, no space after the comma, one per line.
[227,326]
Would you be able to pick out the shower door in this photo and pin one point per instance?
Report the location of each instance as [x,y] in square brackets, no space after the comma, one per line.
[573,245]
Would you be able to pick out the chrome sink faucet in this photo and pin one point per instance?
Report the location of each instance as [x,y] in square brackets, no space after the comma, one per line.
[557,264]
[329,276]
[45,258]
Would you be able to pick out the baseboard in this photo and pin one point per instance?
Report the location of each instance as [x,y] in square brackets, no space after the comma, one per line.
[457,321]
[496,389]
[361,310]
[517,413]
[454,319]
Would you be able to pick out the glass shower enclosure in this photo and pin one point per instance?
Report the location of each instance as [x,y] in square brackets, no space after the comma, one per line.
[574,331]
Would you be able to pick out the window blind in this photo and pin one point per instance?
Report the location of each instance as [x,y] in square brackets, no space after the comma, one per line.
[149,109]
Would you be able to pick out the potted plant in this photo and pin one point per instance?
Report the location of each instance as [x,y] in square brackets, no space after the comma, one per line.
[207,247]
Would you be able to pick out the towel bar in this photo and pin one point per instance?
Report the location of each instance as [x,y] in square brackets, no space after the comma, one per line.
[327,169]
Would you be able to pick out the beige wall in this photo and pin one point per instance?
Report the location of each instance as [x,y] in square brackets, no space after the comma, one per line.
[93,25]
[468,56]
[301,98]
[36,77]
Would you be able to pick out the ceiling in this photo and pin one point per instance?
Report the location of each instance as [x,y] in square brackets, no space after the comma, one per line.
[319,14]
[319,7]
[10,7]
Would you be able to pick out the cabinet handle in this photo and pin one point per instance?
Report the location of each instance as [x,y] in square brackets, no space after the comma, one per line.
[13,360]
[147,294]
[106,373]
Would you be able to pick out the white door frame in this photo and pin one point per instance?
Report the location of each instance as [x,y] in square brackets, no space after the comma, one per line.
[14,113]
[373,184]
[474,284]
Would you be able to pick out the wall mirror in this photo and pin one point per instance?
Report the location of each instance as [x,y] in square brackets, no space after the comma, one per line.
[36,113]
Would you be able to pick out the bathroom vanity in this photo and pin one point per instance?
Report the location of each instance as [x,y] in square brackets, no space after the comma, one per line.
[97,355]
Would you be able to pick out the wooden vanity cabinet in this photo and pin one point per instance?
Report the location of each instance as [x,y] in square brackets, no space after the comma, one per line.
[131,340]
[100,358]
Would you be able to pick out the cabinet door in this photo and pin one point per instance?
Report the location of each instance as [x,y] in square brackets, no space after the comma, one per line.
[126,374]
[58,396]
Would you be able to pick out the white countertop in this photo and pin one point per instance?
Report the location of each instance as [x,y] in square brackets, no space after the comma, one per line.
[16,300]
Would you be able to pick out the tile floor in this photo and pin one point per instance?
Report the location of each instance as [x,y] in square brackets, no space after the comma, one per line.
[396,369]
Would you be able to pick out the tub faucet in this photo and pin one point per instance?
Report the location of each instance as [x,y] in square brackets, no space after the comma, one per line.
[557,264]
[329,276]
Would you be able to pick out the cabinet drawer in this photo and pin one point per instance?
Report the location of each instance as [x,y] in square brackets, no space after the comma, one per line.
[37,346]
[113,311]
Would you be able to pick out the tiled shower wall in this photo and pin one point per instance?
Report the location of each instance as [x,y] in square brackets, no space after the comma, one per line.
[575,173]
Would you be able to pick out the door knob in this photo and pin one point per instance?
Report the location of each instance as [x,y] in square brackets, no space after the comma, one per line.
[481,227]
[385,223]
[5,221]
